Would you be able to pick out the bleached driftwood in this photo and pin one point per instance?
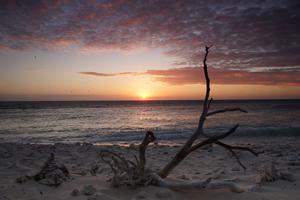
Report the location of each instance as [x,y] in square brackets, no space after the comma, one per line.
[176,185]
[127,172]
[199,185]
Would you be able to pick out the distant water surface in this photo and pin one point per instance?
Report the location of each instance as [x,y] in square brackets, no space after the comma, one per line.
[99,121]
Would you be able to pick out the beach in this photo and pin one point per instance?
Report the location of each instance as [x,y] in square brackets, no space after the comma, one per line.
[150,100]
[279,153]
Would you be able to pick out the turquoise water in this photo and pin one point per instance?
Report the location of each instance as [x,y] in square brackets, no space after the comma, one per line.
[98,121]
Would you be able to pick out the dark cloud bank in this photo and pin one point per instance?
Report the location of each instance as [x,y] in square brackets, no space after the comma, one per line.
[255,42]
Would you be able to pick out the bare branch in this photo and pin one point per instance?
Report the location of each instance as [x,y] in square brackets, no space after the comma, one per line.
[184,151]
[226,110]
[238,148]
[208,105]
[213,139]
[114,160]
[149,137]
[207,93]
[236,157]
[126,172]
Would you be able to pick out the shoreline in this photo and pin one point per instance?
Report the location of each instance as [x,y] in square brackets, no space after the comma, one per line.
[164,141]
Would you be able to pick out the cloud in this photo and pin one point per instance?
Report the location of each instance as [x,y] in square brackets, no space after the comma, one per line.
[110,74]
[245,34]
[193,75]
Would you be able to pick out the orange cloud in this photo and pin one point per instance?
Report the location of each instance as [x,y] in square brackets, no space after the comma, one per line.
[192,75]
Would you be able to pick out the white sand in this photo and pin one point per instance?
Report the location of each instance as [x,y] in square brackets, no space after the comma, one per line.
[20,159]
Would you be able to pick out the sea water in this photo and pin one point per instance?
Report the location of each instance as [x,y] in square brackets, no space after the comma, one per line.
[101,121]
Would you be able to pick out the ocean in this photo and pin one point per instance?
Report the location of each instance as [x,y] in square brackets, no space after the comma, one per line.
[104,121]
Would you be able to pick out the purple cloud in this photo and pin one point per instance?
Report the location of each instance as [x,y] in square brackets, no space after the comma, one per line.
[245,34]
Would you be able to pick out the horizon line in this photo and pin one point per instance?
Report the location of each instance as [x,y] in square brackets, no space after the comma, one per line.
[148,100]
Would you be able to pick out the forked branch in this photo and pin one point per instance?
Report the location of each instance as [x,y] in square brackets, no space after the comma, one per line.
[226,110]
[213,139]
[188,147]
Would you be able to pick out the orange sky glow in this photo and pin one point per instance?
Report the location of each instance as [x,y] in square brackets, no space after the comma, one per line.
[58,77]
[148,51]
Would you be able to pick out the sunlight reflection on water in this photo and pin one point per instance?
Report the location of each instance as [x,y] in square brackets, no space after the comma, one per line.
[125,121]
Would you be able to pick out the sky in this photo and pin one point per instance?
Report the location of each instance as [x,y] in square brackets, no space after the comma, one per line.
[148,49]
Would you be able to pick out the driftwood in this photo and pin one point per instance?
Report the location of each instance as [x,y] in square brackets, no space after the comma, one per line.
[131,173]
[189,146]
[199,185]
[52,173]
[127,172]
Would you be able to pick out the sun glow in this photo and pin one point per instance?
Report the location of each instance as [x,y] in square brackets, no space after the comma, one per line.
[144,95]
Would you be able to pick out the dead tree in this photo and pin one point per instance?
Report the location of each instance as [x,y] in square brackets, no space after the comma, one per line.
[131,173]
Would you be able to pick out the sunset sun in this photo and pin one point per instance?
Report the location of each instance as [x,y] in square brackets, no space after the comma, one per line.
[144,95]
